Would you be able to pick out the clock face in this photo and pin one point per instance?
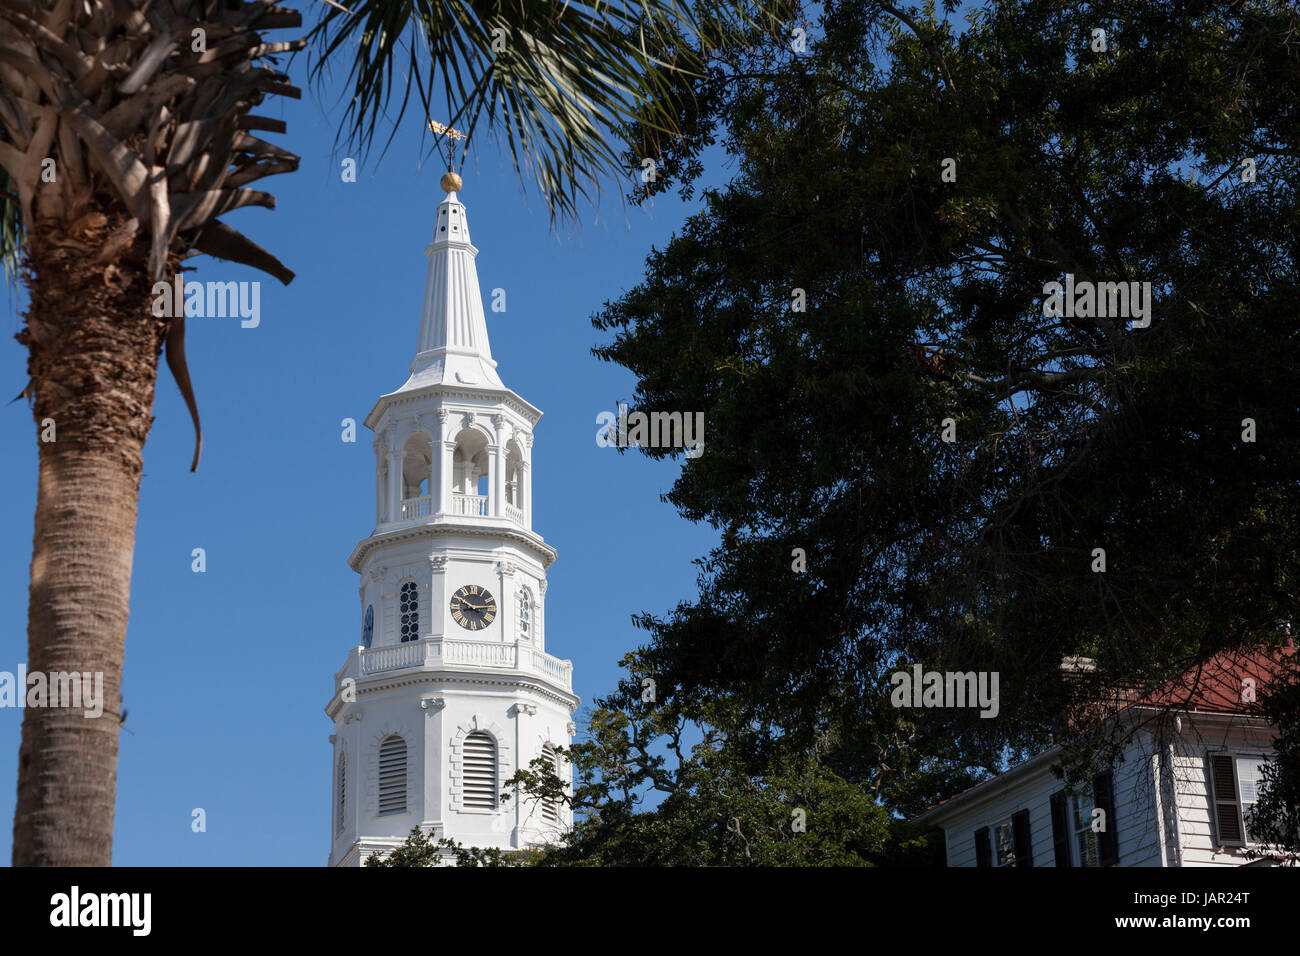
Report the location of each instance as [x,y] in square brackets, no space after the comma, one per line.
[473,607]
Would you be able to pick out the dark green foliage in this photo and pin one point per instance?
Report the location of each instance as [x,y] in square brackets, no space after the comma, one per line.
[645,795]
[421,850]
[924,302]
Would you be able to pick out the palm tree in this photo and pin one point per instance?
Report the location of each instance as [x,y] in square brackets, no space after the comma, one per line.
[126,133]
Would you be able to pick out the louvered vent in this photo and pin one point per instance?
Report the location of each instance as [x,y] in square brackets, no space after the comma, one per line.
[343,788]
[1227,811]
[392,775]
[479,784]
[550,810]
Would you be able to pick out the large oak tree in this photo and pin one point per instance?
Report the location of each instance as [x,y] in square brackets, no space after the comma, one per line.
[886,394]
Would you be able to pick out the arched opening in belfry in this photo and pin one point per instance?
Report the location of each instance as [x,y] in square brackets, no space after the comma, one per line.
[470,485]
[514,475]
[417,466]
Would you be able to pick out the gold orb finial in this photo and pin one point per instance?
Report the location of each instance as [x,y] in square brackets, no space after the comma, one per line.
[450,182]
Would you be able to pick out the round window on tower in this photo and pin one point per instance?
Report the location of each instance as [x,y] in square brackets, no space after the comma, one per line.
[368,626]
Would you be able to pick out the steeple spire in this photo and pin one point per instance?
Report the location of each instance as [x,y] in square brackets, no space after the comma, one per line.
[449,659]
[453,345]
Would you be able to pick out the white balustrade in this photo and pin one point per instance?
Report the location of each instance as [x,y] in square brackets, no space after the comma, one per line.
[554,666]
[378,659]
[476,505]
[514,514]
[482,653]
[416,508]
[435,652]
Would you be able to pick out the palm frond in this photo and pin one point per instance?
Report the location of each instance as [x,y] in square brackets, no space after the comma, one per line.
[555,80]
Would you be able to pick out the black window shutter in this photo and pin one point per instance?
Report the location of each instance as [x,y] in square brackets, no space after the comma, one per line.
[983,852]
[1061,828]
[1103,795]
[1024,844]
[1227,806]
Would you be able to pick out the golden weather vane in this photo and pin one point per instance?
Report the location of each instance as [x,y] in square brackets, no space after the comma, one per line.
[447,131]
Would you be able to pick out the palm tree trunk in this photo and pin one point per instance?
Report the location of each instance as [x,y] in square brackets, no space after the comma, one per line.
[93,362]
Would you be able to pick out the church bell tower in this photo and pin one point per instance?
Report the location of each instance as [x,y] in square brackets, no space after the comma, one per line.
[449,689]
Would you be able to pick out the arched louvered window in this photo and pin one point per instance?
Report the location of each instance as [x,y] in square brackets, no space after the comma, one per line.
[479,784]
[409,605]
[343,789]
[392,775]
[550,808]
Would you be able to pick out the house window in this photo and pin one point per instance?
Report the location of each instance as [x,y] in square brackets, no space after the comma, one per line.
[392,775]
[1249,777]
[1087,848]
[1234,789]
[479,783]
[1075,842]
[1006,843]
[409,606]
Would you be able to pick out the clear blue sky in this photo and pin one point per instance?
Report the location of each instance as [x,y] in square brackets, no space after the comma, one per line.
[228,672]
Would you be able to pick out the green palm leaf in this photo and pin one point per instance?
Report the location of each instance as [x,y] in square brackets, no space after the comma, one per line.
[554,80]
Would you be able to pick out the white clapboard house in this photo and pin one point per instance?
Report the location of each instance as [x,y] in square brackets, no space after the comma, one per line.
[1181,795]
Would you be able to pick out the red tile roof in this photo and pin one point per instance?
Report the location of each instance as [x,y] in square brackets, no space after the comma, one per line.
[1220,685]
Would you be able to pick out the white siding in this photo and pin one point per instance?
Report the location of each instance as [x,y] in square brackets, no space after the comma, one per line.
[1135,805]
[1190,777]
[1133,782]
[1147,788]
[1031,793]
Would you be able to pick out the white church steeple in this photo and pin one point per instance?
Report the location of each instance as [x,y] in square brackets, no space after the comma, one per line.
[453,344]
[449,689]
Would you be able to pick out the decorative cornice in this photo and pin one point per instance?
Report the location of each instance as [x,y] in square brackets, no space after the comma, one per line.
[378,684]
[505,530]
[438,563]
[431,705]
[500,397]
[571,728]
[521,708]
[354,715]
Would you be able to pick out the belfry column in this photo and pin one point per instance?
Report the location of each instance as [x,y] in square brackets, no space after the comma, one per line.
[445,476]
[498,453]
[394,484]
[437,462]
[381,477]
[526,482]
